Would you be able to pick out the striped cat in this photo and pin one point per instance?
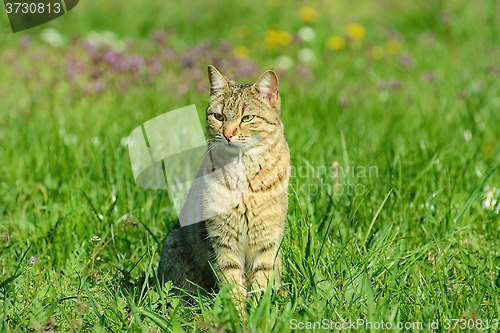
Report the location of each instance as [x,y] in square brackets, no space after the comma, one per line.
[239,245]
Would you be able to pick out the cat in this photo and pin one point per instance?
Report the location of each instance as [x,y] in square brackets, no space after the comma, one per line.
[238,241]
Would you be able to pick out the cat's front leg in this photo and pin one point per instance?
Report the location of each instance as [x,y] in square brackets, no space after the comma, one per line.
[230,271]
[266,269]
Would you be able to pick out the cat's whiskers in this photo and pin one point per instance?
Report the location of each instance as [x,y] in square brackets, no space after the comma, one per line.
[246,147]
[201,159]
[202,87]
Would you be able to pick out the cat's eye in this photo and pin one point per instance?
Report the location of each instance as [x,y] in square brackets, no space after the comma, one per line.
[219,117]
[246,119]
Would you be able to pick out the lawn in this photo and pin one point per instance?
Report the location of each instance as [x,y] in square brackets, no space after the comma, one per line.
[391,110]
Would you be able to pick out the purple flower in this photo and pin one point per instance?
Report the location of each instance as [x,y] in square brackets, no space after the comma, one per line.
[25,42]
[71,73]
[219,63]
[248,70]
[33,260]
[235,62]
[89,48]
[395,84]
[112,57]
[168,54]
[225,47]
[429,77]
[99,86]
[7,236]
[406,61]
[159,36]
[123,65]
[155,67]
[137,62]
[198,52]
[187,61]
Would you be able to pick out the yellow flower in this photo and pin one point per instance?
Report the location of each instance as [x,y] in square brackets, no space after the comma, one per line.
[355,31]
[394,46]
[275,37]
[335,43]
[307,14]
[284,37]
[271,38]
[241,52]
[244,30]
[378,53]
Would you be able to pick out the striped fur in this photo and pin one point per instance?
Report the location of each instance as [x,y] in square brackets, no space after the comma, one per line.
[241,245]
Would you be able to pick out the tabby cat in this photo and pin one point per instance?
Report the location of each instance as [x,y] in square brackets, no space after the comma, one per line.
[239,245]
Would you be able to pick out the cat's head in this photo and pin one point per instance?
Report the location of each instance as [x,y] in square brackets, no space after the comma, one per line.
[243,116]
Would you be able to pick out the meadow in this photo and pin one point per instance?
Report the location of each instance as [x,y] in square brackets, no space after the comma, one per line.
[391,111]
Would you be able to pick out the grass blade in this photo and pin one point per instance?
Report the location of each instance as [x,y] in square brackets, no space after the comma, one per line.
[374,218]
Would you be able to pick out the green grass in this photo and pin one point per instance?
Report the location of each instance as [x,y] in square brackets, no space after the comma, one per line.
[413,244]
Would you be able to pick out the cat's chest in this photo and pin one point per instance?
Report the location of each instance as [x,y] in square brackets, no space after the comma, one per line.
[251,187]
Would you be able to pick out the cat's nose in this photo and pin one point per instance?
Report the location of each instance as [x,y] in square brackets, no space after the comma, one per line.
[228,136]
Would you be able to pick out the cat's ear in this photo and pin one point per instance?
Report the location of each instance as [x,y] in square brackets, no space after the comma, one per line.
[217,80]
[267,86]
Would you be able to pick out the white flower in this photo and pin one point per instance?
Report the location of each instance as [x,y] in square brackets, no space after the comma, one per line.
[124,142]
[53,37]
[306,55]
[284,62]
[491,198]
[95,239]
[106,38]
[307,34]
